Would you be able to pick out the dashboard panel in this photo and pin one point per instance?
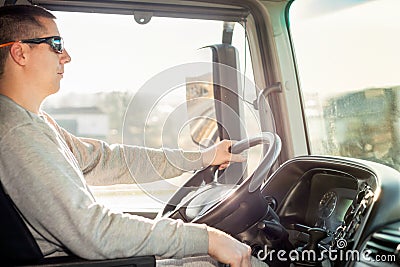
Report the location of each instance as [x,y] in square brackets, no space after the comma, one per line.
[350,200]
[324,195]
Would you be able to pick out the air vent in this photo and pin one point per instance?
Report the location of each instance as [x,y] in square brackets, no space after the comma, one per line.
[384,242]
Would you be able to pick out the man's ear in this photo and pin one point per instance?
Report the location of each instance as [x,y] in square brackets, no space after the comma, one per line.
[19,53]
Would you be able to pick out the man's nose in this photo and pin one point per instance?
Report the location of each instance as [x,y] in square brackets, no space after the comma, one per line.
[65,57]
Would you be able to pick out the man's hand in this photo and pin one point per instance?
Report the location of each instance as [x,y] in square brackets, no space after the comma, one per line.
[218,154]
[227,249]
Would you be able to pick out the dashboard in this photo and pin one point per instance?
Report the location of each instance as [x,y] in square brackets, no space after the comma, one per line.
[325,195]
[352,201]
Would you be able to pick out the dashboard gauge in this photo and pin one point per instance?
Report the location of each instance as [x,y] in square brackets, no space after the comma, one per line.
[327,204]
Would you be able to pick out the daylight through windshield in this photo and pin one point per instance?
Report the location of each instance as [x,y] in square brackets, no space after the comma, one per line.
[348,70]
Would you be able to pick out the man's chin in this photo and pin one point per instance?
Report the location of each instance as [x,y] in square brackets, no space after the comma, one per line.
[53,91]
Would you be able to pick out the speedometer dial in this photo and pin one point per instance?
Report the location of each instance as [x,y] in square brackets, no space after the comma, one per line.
[327,204]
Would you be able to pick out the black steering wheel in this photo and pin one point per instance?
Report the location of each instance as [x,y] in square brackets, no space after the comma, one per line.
[196,200]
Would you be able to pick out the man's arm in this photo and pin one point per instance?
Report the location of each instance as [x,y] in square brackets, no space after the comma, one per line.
[104,164]
[48,188]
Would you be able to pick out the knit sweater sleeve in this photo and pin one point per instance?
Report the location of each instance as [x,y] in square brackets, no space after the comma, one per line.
[45,182]
[104,164]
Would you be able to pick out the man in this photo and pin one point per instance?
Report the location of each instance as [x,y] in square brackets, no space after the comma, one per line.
[44,169]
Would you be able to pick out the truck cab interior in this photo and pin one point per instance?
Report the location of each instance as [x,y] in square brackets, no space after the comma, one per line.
[308,88]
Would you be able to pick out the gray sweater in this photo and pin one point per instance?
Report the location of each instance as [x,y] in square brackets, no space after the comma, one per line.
[45,169]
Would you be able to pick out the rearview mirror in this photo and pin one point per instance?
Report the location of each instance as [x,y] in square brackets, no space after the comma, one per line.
[201,110]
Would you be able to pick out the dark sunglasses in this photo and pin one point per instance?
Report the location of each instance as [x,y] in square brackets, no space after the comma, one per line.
[55,42]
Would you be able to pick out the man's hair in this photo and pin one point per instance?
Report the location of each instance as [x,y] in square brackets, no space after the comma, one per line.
[19,22]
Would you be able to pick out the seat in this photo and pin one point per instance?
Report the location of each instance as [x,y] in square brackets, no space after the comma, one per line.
[19,248]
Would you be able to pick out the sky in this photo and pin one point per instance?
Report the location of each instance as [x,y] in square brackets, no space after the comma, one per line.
[348,48]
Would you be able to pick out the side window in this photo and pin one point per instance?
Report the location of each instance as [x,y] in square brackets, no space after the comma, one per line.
[119,88]
[348,71]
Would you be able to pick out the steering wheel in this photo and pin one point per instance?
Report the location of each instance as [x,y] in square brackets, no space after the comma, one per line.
[191,202]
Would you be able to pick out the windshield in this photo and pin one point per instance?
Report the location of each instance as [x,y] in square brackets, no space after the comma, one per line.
[347,56]
[135,84]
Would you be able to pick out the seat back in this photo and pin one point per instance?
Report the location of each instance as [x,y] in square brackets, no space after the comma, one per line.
[17,244]
[18,247]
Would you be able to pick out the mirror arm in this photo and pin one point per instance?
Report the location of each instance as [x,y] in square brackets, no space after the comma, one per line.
[274,88]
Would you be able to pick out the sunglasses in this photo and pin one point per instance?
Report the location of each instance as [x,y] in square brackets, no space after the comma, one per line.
[55,42]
